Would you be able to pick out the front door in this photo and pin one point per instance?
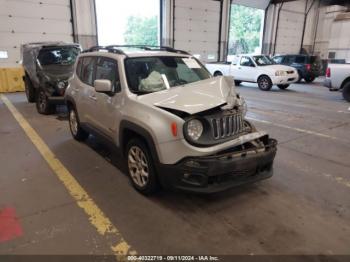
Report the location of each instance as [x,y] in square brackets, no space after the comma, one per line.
[105,115]
[246,69]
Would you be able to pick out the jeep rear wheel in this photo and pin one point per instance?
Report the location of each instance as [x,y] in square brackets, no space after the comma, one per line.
[141,168]
[77,131]
[346,91]
[29,89]
[42,103]
[264,83]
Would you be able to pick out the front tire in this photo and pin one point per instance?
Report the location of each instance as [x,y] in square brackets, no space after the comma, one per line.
[29,89]
[237,83]
[283,86]
[264,83]
[141,168]
[42,103]
[346,91]
[76,130]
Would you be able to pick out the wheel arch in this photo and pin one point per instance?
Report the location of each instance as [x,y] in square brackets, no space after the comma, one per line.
[346,80]
[261,75]
[129,130]
[217,71]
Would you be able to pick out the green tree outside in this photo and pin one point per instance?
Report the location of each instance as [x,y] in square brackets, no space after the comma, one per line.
[245,29]
[141,31]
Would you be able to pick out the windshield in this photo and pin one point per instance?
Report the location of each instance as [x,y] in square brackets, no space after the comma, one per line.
[262,60]
[152,74]
[58,56]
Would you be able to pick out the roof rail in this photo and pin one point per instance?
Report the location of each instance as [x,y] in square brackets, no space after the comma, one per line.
[117,49]
[104,48]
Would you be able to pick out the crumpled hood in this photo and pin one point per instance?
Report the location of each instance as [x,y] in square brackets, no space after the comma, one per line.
[192,98]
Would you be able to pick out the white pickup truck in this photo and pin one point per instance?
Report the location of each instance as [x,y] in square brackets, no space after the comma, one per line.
[256,69]
[338,78]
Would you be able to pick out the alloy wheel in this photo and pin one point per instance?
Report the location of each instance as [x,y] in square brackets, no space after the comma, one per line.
[138,166]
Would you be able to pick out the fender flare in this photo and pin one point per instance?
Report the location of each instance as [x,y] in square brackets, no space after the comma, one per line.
[126,126]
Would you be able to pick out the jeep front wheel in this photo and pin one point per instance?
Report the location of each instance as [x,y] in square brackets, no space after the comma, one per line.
[264,83]
[141,168]
[42,103]
[77,131]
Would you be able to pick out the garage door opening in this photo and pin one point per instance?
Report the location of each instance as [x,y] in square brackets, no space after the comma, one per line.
[246,30]
[132,22]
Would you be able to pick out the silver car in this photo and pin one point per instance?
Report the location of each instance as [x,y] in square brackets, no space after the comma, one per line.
[176,125]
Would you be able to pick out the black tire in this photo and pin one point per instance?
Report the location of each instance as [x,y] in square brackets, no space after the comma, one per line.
[76,130]
[283,86]
[217,73]
[346,91]
[237,83]
[29,89]
[309,79]
[264,83]
[42,103]
[300,77]
[146,185]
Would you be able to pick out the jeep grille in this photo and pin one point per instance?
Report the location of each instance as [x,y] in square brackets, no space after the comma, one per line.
[226,126]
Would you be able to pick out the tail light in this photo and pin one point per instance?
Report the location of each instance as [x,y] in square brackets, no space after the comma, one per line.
[308,67]
[328,72]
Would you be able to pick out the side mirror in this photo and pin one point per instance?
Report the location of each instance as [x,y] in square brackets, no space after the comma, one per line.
[103,85]
[252,65]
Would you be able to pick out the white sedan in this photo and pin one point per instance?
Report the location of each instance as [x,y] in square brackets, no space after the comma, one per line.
[256,69]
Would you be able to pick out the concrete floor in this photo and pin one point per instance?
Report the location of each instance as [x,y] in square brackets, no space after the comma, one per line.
[303,209]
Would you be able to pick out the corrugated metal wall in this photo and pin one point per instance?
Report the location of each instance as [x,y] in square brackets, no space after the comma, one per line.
[23,21]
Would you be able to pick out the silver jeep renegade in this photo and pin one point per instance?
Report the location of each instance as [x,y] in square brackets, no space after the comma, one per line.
[176,125]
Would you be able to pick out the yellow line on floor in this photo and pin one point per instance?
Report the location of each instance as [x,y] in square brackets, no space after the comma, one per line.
[96,217]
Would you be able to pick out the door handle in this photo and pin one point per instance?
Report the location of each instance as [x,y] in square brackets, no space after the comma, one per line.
[239,67]
[93,98]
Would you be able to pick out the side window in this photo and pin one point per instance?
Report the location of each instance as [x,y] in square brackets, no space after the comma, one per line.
[278,59]
[246,61]
[107,68]
[185,73]
[300,59]
[87,70]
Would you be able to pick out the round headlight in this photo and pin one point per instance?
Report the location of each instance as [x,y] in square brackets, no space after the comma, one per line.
[61,85]
[194,129]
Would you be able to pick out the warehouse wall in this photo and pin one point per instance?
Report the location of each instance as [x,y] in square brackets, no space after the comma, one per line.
[196,27]
[24,21]
[28,21]
[323,34]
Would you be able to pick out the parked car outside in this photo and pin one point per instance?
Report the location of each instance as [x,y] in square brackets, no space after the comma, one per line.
[174,123]
[309,67]
[338,79]
[47,66]
[255,69]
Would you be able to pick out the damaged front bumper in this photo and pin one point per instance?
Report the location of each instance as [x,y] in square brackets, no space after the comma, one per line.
[224,170]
